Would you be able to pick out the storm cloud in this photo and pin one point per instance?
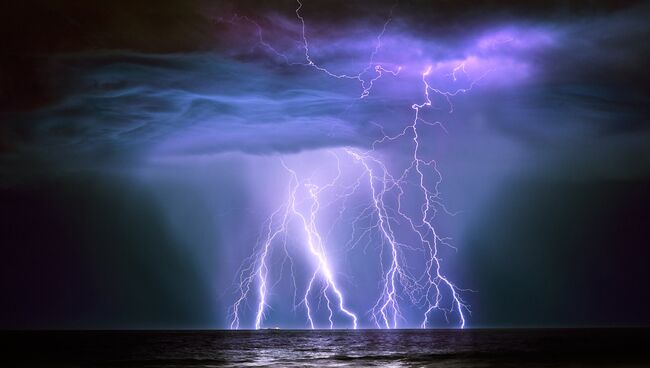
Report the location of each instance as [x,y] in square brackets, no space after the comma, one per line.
[139,146]
[567,80]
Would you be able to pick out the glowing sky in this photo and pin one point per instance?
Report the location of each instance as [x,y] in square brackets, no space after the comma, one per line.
[142,147]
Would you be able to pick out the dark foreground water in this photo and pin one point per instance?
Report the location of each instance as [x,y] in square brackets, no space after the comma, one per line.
[366,348]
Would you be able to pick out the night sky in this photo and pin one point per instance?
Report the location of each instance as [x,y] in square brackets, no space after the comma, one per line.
[142,146]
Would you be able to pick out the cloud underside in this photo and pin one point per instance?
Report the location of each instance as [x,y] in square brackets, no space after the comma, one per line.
[538,81]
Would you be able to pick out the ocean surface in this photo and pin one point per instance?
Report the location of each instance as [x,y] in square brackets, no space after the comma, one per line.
[324,348]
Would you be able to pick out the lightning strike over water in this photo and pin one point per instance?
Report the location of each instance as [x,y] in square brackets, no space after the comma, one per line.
[314,243]
[398,229]
[347,172]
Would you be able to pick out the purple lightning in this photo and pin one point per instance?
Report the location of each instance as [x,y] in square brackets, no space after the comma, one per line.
[365,84]
[430,289]
[258,269]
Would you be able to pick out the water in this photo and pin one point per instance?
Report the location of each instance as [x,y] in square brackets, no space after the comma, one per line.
[343,348]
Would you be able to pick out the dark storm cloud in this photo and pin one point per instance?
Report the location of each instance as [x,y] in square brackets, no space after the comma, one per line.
[121,103]
[579,73]
[115,85]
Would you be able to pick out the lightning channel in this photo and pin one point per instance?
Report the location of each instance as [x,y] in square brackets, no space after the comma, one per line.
[395,229]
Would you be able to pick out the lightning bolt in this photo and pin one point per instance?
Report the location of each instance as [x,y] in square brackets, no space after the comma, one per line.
[258,270]
[315,244]
[429,289]
[366,84]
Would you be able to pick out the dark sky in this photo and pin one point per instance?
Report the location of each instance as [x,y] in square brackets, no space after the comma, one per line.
[140,145]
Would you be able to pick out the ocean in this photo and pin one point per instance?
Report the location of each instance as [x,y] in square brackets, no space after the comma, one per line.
[330,348]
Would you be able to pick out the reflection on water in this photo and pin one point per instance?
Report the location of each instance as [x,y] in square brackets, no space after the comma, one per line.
[364,348]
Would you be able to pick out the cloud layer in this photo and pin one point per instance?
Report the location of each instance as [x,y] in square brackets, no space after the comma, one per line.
[536,80]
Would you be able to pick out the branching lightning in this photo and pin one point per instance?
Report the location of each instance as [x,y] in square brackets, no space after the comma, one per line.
[306,218]
[397,228]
